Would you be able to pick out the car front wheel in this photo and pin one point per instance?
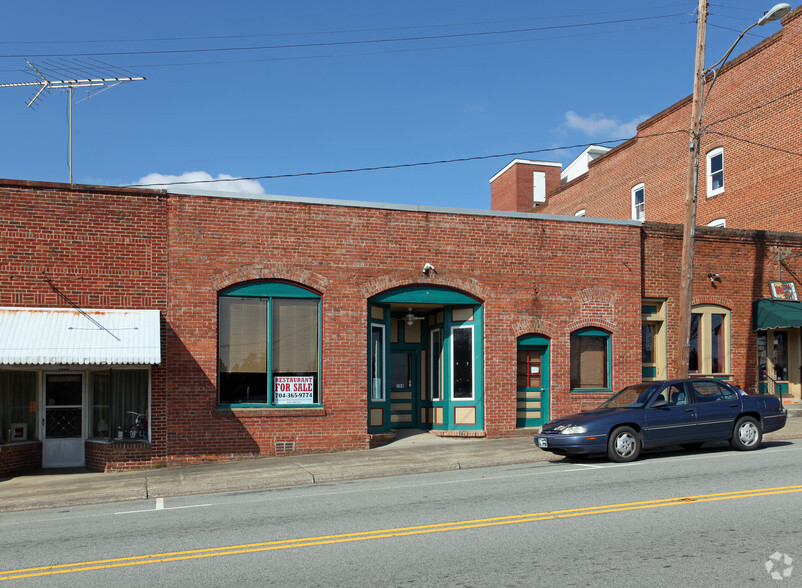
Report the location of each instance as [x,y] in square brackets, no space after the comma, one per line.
[623,445]
[747,434]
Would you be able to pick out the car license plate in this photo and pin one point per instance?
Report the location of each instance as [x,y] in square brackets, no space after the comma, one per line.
[542,442]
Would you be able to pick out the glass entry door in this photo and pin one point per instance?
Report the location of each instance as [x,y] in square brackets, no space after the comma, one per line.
[403,389]
[63,434]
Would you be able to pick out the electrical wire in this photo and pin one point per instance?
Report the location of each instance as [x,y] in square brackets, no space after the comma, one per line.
[334,32]
[500,155]
[404,165]
[342,43]
[756,143]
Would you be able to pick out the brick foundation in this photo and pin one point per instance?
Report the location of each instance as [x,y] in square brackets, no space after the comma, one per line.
[21,457]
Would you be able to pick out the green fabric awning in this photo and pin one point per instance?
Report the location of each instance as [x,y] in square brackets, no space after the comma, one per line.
[776,314]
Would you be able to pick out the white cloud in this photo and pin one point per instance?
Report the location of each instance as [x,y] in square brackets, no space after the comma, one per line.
[203,180]
[599,126]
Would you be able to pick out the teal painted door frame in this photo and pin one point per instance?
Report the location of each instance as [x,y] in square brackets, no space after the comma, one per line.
[532,404]
[378,369]
[461,403]
[454,411]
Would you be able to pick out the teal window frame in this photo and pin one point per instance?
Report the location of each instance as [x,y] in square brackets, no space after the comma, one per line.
[592,332]
[270,291]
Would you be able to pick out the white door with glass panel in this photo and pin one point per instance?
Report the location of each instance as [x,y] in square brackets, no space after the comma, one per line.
[63,421]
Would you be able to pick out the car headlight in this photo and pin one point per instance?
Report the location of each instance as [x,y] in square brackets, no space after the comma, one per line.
[572,430]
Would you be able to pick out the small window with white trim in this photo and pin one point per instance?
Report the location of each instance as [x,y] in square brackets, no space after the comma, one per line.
[580,212]
[719,222]
[715,172]
[638,202]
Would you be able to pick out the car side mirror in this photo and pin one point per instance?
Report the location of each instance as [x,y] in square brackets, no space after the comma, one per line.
[660,403]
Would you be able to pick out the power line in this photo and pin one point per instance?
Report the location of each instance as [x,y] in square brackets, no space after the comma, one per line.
[757,144]
[403,165]
[343,43]
[497,155]
[334,32]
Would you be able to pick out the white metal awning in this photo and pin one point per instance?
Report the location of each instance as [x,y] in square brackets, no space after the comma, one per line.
[43,336]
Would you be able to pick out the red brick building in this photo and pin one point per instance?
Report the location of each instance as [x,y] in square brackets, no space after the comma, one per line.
[292,325]
[217,327]
[750,168]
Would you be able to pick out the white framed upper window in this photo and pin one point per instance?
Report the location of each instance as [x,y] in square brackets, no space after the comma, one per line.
[638,202]
[580,212]
[715,171]
[719,222]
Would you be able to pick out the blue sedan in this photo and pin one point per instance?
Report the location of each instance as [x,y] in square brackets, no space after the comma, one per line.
[686,412]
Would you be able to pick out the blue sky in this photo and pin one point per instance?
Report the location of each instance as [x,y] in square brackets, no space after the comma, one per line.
[254,89]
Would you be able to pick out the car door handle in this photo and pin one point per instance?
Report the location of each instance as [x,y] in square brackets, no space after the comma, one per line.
[688,410]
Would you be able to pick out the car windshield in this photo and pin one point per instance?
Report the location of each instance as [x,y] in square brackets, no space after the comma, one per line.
[632,396]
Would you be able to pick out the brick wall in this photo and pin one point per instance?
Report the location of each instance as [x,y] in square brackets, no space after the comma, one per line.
[745,260]
[99,247]
[117,456]
[20,457]
[751,113]
[533,276]
[512,188]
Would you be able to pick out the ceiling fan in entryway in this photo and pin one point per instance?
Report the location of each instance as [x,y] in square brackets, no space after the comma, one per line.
[410,317]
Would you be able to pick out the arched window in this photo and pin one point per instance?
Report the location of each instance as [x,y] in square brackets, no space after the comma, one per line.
[590,360]
[269,344]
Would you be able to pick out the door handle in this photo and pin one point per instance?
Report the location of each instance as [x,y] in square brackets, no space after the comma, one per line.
[688,410]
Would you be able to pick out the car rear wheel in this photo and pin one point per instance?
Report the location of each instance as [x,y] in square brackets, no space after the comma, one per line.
[747,434]
[623,445]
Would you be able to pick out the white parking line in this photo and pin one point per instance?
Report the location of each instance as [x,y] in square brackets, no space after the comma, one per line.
[160,506]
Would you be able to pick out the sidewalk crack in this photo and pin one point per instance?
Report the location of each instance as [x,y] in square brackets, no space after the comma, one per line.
[311,475]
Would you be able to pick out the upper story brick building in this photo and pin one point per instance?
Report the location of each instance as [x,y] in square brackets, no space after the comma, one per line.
[750,164]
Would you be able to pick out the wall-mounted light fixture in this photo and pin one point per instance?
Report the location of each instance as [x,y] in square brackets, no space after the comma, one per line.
[714,278]
[428,269]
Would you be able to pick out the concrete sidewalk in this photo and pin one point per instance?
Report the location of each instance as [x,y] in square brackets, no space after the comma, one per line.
[413,452]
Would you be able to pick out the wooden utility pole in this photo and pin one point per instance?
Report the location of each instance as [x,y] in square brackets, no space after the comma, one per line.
[689,228]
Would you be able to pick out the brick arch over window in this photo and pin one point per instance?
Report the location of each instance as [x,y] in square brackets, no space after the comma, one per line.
[714,300]
[269,271]
[398,280]
[536,326]
[589,323]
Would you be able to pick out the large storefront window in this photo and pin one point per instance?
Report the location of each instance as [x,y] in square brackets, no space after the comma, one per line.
[589,360]
[709,340]
[18,405]
[269,345]
[120,406]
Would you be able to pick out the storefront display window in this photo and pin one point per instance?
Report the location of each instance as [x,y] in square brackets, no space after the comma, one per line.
[269,345]
[18,405]
[120,407]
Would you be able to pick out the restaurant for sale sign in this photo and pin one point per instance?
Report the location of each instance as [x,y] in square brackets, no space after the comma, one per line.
[294,389]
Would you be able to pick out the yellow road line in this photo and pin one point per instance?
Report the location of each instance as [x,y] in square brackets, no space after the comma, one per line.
[383,534]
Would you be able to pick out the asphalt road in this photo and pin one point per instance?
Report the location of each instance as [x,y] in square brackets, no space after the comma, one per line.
[707,518]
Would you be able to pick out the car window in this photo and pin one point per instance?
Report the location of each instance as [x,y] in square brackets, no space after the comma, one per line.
[631,397]
[711,392]
[675,395]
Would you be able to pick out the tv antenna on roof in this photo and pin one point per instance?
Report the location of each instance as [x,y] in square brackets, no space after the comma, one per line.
[69,74]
